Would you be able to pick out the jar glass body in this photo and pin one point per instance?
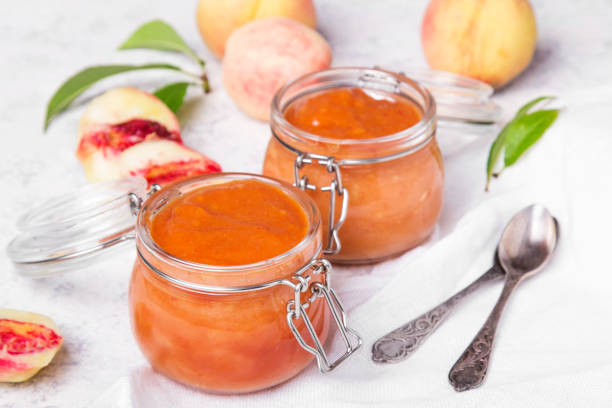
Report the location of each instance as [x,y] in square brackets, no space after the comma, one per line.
[395,183]
[220,342]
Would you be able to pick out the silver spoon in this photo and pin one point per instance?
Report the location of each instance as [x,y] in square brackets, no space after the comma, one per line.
[402,342]
[526,246]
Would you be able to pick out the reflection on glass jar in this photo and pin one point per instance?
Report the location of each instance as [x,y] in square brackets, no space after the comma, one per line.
[363,139]
[232,329]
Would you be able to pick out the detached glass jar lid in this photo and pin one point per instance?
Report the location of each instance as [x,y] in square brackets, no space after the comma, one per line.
[66,232]
[458,98]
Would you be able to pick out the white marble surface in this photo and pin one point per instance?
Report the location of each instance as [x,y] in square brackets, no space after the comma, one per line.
[43,42]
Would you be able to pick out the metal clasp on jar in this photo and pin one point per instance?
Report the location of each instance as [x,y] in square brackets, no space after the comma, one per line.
[379,79]
[297,310]
[136,201]
[335,188]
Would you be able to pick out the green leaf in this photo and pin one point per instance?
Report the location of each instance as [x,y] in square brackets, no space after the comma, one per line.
[173,94]
[525,108]
[158,35]
[519,135]
[526,131]
[84,79]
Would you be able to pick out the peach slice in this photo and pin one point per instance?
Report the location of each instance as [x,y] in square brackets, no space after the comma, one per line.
[28,342]
[120,105]
[116,120]
[120,120]
[164,161]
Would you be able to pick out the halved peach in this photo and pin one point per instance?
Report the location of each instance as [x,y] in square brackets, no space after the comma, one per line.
[122,105]
[115,133]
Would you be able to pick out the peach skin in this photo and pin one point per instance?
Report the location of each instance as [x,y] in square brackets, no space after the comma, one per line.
[489,40]
[218,19]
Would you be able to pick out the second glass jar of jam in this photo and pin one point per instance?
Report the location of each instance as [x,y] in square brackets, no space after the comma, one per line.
[362,143]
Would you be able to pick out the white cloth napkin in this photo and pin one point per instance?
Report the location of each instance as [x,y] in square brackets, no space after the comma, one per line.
[553,343]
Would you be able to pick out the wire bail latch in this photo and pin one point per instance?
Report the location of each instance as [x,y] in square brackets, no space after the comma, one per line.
[136,201]
[296,309]
[335,188]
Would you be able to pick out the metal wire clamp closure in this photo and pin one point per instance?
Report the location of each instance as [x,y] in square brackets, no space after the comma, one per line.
[335,188]
[136,201]
[296,309]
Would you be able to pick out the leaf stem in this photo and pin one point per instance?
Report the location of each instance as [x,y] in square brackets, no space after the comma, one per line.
[205,83]
[191,74]
[203,79]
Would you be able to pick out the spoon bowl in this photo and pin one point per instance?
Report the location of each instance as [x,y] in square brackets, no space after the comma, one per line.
[528,241]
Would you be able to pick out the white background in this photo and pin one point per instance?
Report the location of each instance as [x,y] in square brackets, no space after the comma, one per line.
[554,345]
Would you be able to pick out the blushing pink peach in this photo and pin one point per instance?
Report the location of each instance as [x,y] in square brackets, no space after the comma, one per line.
[263,55]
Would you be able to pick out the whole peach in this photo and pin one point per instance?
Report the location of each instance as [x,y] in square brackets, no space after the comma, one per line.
[217,19]
[263,55]
[490,40]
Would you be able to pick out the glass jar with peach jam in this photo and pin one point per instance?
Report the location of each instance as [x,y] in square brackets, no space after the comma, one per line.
[228,293]
[362,143]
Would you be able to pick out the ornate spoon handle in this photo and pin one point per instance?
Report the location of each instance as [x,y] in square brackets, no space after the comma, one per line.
[471,368]
[405,340]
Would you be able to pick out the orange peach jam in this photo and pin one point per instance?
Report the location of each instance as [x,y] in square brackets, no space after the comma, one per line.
[352,113]
[234,223]
[223,231]
[389,160]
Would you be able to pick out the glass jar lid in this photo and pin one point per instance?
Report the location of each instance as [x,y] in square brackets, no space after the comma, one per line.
[458,98]
[66,232]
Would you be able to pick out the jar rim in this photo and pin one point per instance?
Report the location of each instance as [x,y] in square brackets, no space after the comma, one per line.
[143,235]
[410,134]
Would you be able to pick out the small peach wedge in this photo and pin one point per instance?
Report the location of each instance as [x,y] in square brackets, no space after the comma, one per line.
[164,161]
[28,342]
